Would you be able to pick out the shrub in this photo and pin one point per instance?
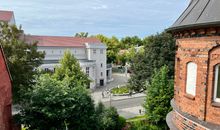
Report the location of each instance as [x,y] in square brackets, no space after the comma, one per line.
[121,122]
[120,90]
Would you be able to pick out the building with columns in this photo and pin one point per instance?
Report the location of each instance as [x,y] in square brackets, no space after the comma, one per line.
[90,52]
[196,102]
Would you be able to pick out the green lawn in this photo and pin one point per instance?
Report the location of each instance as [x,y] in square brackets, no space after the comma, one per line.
[137,118]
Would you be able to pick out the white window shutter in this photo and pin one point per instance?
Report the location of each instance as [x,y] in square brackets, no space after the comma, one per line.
[191,78]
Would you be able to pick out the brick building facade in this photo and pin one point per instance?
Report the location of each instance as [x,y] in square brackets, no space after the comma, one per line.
[5,95]
[196,104]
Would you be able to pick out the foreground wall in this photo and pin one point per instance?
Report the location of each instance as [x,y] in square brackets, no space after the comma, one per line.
[5,95]
[196,111]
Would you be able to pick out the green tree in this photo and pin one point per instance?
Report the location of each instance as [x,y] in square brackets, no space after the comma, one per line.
[128,42]
[108,118]
[22,59]
[82,34]
[159,94]
[159,50]
[70,69]
[138,78]
[122,59]
[53,105]
[131,54]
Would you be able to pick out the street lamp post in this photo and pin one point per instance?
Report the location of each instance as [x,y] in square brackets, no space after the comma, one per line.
[110,99]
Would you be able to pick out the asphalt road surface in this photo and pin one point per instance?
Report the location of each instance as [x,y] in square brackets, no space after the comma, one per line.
[126,103]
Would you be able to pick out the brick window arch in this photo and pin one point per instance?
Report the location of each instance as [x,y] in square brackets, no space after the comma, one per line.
[217,84]
[191,78]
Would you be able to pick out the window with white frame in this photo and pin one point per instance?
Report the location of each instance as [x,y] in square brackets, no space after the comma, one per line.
[217,84]
[101,51]
[94,51]
[101,74]
[191,78]
[87,70]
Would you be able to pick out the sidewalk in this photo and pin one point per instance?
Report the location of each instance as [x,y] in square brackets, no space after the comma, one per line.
[131,112]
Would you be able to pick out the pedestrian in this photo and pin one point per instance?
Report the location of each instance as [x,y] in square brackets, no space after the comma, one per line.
[130,93]
[103,94]
[139,111]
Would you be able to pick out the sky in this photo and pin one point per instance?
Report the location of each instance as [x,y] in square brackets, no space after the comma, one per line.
[108,17]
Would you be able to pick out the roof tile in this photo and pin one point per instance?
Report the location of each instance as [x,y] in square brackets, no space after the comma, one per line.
[6,15]
[60,41]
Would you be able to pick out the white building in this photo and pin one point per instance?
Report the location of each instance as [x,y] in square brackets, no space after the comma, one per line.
[7,16]
[90,52]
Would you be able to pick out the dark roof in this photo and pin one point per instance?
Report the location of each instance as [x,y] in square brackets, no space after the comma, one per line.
[199,13]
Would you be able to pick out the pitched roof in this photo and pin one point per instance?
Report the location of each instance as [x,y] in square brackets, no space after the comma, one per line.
[6,16]
[60,41]
[199,13]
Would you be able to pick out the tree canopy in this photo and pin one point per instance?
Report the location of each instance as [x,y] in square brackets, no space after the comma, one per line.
[70,69]
[114,45]
[22,59]
[61,101]
[159,50]
[82,34]
[159,94]
[108,118]
[52,105]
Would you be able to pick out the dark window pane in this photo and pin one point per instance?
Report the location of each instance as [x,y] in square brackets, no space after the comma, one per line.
[218,85]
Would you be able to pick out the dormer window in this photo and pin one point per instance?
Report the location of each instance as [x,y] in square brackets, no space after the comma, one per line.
[217,84]
[191,78]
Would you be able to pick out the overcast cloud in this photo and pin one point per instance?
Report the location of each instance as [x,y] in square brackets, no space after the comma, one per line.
[109,17]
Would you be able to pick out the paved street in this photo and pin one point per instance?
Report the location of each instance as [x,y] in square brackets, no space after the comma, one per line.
[126,103]
[127,106]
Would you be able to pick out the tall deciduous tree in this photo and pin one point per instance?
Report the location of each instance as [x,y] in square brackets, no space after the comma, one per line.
[159,94]
[54,105]
[159,50]
[128,42]
[70,69]
[22,59]
[61,101]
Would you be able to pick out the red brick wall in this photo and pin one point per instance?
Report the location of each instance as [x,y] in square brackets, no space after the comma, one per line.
[5,96]
[199,51]
[183,123]
[213,112]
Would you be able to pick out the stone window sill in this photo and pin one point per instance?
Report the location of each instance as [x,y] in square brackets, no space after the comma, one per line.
[189,96]
[216,104]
